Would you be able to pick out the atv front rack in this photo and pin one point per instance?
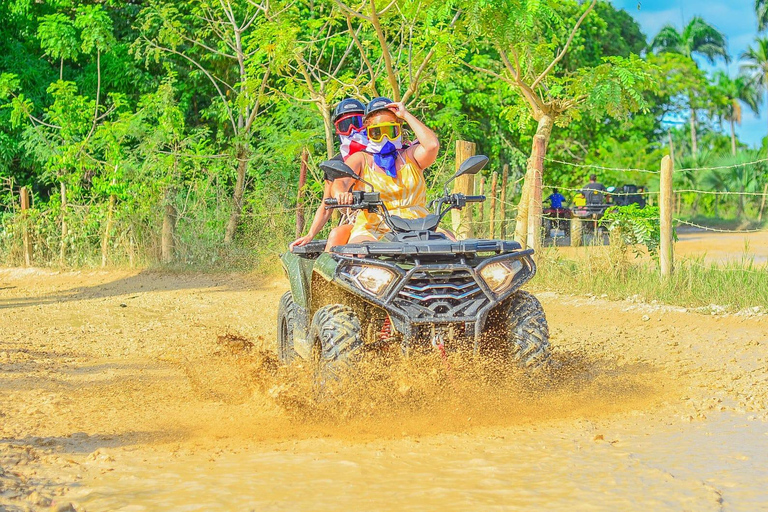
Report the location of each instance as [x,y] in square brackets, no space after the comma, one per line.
[427,248]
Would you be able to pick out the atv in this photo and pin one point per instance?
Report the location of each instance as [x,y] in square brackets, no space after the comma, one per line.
[414,290]
[588,208]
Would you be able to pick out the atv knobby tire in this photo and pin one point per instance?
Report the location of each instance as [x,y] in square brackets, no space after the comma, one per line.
[521,331]
[286,321]
[337,335]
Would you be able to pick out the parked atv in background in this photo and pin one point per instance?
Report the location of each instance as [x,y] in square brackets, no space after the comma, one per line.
[557,222]
[587,209]
[416,290]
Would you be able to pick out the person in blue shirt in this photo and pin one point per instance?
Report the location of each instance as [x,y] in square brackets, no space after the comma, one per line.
[556,199]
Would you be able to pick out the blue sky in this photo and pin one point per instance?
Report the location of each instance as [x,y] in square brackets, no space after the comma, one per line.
[735,18]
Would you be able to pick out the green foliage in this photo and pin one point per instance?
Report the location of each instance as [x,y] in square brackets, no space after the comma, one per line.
[636,226]
[135,106]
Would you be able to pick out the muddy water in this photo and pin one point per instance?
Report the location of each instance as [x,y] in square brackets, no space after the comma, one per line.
[117,393]
[639,464]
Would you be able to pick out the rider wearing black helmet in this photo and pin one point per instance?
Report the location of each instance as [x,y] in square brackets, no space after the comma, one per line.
[347,119]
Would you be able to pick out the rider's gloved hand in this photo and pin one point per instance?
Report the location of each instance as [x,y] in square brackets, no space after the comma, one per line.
[344,197]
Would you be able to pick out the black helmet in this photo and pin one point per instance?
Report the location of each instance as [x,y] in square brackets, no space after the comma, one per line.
[348,106]
[377,104]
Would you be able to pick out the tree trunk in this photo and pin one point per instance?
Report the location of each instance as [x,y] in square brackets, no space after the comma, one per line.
[329,131]
[64,230]
[108,230]
[534,194]
[169,227]
[503,203]
[521,220]
[492,214]
[694,141]
[733,138]
[237,197]
[300,193]
[480,208]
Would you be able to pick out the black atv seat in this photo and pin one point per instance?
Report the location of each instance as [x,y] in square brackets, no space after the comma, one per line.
[428,223]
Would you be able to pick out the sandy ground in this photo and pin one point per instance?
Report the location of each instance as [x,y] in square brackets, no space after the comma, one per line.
[121,391]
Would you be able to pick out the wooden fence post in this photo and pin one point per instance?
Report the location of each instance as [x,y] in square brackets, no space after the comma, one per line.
[462,220]
[26,238]
[762,203]
[503,203]
[534,197]
[480,207]
[300,193]
[492,213]
[666,252]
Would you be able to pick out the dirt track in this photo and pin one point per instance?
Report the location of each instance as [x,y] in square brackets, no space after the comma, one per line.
[117,393]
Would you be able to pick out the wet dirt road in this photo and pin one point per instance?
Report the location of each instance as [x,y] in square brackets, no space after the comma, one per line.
[120,391]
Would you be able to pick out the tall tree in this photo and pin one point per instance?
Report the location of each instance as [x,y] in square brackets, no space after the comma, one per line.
[729,94]
[522,43]
[756,63]
[698,38]
[232,44]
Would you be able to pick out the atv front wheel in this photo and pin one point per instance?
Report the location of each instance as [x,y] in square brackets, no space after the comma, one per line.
[337,335]
[286,321]
[521,331]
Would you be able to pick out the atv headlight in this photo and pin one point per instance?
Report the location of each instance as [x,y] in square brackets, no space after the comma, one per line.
[500,274]
[372,279]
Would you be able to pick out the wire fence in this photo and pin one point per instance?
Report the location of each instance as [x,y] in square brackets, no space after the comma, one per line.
[283,212]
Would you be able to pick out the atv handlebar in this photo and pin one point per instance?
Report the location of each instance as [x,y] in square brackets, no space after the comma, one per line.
[331,202]
[475,199]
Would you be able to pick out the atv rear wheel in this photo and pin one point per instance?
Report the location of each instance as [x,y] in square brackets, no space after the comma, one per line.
[337,335]
[286,321]
[521,332]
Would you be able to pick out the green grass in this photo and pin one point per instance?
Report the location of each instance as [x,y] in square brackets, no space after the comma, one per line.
[735,285]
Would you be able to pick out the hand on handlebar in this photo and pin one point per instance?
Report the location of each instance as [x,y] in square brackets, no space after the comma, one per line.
[344,198]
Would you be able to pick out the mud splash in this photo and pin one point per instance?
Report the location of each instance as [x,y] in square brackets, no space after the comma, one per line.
[390,396]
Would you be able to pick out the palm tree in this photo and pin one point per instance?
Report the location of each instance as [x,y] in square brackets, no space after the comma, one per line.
[697,38]
[730,93]
[756,64]
[761,9]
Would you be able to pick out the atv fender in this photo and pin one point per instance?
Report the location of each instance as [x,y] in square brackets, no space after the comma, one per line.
[299,272]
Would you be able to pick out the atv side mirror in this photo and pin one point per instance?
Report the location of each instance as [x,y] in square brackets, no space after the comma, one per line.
[471,165]
[336,169]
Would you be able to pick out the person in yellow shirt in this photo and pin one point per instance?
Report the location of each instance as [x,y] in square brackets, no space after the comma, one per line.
[396,173]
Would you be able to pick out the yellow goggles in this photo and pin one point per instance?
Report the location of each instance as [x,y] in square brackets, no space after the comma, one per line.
[377,132]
